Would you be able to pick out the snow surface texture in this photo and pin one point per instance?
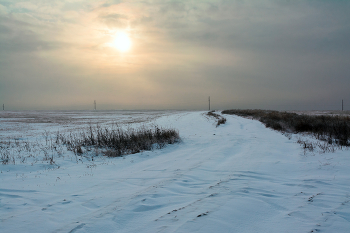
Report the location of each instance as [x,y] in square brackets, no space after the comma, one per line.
[238,177]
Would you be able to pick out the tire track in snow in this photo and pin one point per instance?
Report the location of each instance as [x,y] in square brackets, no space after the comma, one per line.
[119,204]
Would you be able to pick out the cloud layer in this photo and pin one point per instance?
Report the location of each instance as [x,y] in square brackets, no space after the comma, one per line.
[275,54]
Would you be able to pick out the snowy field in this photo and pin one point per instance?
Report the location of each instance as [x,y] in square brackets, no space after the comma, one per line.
[238,177]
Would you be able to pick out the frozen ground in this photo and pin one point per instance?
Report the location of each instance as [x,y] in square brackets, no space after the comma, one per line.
[34,123]
[238,177]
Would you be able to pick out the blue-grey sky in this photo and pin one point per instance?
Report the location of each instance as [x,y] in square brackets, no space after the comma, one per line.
[272,54]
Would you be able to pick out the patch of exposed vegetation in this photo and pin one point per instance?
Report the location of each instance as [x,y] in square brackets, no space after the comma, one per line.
[118,142]
[94,141]
[335,130]
[220,120]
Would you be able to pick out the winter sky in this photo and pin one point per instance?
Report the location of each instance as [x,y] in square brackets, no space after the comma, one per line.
[274,54]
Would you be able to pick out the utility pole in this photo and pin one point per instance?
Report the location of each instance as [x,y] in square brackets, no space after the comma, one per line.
[342,105]
[3,107]
[95,104]
[209,102]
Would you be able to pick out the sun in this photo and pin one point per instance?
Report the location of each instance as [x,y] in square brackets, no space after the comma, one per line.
[121,42]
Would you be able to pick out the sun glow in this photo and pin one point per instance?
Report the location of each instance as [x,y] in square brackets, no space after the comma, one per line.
[122,42]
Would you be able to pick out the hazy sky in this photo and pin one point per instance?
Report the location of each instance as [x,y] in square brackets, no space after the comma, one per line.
[274,54]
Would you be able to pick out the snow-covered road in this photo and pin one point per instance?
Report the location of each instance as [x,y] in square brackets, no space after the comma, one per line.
[238,177]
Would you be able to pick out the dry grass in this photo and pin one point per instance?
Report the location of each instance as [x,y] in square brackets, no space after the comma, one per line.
[331,129]
[88,142]
[220,120]
[118,142]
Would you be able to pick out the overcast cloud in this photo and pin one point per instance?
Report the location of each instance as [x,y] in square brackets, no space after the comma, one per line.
[274,54]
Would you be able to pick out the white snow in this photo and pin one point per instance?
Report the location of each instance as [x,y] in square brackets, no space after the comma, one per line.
[238,177]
